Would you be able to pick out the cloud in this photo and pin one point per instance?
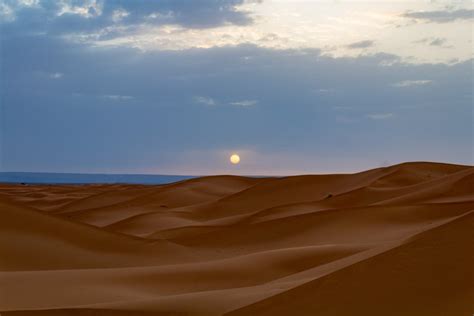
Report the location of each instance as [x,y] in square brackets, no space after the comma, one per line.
[117,97]
[361,44]
[88,9]
[119,14]
[440,16]
[205,100]
[28,3]
[7,14]
[409,83]
[437,42]
[433,41]
[211,102]
[56,75]
[244,103]
[323,91]
[380,116]
[69,16]
[8,9]
[191,14]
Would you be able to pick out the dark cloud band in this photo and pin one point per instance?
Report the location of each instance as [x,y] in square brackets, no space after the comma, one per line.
[441,16]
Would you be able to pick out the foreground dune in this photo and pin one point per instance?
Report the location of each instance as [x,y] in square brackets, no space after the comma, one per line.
[388,241]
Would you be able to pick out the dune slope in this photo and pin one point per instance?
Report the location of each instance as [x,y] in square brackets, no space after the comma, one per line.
[388,241]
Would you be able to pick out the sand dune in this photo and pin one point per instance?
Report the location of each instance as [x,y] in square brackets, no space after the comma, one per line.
[388,241]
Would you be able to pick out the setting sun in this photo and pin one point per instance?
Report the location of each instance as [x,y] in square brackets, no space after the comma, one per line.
[235,159]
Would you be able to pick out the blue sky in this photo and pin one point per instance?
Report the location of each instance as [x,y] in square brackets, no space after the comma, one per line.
[176,87]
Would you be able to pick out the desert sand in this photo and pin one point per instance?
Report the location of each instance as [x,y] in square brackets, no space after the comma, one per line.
[396,240]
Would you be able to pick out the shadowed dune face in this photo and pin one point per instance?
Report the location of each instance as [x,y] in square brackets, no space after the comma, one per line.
[388,241]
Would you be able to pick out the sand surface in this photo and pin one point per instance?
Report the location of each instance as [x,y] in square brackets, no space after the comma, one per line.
[388,241]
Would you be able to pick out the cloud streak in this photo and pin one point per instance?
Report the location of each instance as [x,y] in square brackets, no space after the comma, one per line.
[410,83]
[440,16]
[245,103]
[361,44]
[117,97]
[56,75]
[205,100]
[433,41]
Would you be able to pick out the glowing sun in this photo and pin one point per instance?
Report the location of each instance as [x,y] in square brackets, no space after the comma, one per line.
[235,159]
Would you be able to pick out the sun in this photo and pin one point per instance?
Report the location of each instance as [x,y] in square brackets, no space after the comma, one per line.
[235,159]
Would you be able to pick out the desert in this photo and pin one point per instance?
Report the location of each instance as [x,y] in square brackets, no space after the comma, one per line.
[395,240]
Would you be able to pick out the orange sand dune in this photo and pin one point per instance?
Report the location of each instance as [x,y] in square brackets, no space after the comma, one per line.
[388,241]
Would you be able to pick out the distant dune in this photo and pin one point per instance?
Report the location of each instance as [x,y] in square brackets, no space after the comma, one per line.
[388,241]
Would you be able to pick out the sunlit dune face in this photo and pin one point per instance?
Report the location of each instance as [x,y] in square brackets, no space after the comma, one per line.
[234,159]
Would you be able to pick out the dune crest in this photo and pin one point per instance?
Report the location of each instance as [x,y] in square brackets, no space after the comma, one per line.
[388,241]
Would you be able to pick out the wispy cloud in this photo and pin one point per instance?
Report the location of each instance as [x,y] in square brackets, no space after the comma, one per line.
[117,97]
[89,9]
[56,75]
[7,14]
[440,16]
[8,8]
[433,41]
[245,103]
[409,83]
[361,44]
[192,14]
[119,14]
[380,116]
[324,91]
[205,100]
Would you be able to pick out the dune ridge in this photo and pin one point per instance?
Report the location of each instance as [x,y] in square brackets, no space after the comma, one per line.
[389,241]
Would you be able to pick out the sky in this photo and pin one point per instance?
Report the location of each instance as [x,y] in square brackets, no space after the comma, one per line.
[176,87]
